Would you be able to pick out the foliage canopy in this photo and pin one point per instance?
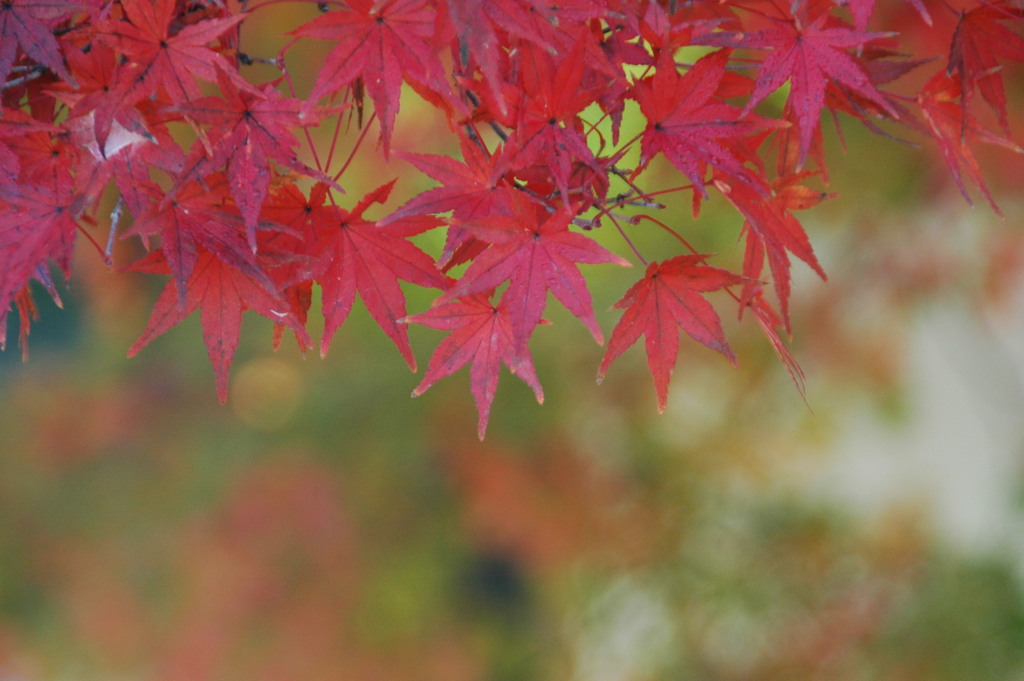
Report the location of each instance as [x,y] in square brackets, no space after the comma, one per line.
[149,112]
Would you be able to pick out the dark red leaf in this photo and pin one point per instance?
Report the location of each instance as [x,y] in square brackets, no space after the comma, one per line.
[547,124]
[772,230]
[952,131]
[159,59]
[808,57]
[250,128]
[37,225]
[668,298]
[692,127]
[535,252]
[377,42]
[29,24]
[356,255]
[223,293]
[979,43]
[481,333]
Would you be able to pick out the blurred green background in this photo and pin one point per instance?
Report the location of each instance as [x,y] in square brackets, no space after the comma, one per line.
[323,525]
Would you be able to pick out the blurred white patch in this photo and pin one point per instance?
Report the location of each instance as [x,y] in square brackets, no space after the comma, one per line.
[625,633]
[958,454]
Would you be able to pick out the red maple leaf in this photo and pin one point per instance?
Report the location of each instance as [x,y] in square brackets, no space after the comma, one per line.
[291,245]
[481,333]
[547,125]
[771,230]
[668,298]
[862,9]
[159,59]
[689,125]
[535,252]
[198,215]
[377,42]
[471,189]
[251,127]
[952,130]
[18,131]
[27,313]
[37,224]
[808,57]
[979,42]
[477,40]
[43,157]
[770,321]
[28,24]
[223,293]
[95,98]
[358,255]
[540,23]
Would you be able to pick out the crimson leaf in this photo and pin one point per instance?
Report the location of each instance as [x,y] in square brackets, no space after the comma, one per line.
[481,333]
[668,298]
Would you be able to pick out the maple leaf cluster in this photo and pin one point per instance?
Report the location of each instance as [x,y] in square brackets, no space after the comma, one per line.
[146,111]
